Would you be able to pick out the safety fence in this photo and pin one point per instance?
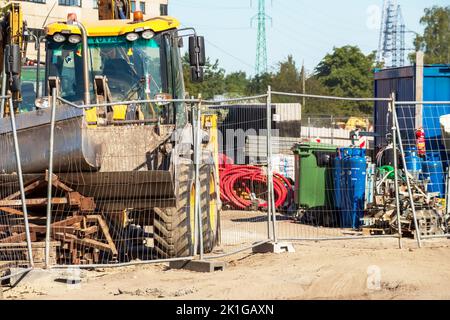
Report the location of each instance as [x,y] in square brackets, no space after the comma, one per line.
[16,254]
[424,134]
[150,181]
[337,192]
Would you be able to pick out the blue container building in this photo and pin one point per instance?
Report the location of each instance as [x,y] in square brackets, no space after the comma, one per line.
[416,83]
[413,83]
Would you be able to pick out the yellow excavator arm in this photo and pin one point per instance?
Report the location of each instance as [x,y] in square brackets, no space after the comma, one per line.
[12,28]
[12,51]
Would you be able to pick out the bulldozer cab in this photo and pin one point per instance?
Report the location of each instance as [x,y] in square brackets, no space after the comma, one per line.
[124,65]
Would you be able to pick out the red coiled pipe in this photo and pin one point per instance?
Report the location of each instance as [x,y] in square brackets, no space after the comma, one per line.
[246,178]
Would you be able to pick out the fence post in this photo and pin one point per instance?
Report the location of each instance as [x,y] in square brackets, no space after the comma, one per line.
[408,183]
[49,181]
[309,127]
[271,195]
[3,92]
[198,183]
[194,135]
[197,159]
[397,199]
[332,129]
[21,185]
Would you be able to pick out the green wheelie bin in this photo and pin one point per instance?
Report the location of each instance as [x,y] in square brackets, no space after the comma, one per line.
[314,175]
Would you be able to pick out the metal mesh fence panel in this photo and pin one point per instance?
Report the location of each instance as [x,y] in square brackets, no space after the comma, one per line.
[122,187]
[16,250]
[241,139]
[150,181]
[423,129]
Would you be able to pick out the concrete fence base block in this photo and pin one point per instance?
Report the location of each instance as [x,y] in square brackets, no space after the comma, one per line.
[274,247]
[198,265]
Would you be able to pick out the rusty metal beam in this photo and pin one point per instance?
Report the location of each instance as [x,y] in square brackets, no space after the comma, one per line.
[18,238]
[68,222]
[32,202]
[94,244]
[27,189]
[107,235]
[11,211]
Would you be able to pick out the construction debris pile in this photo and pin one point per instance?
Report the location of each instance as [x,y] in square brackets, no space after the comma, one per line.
[79,234]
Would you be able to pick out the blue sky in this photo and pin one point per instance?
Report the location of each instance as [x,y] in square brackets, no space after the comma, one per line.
[307,29]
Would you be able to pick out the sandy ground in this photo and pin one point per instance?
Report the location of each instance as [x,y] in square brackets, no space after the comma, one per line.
[345,269]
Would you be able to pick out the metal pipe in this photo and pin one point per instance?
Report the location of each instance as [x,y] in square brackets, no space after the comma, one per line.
[437,236]
[332,129]
[268,135]
[261,96]
[407,103]
[100,105]
[196,142]
[408,183]
[197,180]
[218,256]
[328,97]
[15,274]
[3,93]
[309,127]
[38,67]
[49,181]
[21,184]
[85,48]
[269,165]
[447,193]
[119,265]
[342,238]
[397,198]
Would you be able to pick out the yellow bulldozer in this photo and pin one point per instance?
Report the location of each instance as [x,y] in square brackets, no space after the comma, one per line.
[123,154]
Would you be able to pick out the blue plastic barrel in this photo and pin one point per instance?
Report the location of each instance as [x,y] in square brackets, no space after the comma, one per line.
[353,187]
[345,214]
[337,177]
[357,182]
[413,161]
[433,156]
[434,170]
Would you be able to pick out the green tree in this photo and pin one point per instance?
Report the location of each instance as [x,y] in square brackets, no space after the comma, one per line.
[288,77]
[214,80]
[347,72]
[259,84]
[435,41]
[236,84]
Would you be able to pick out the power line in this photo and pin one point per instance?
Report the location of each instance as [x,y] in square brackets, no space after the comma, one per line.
[203,6]
[229,54]
[226,52]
